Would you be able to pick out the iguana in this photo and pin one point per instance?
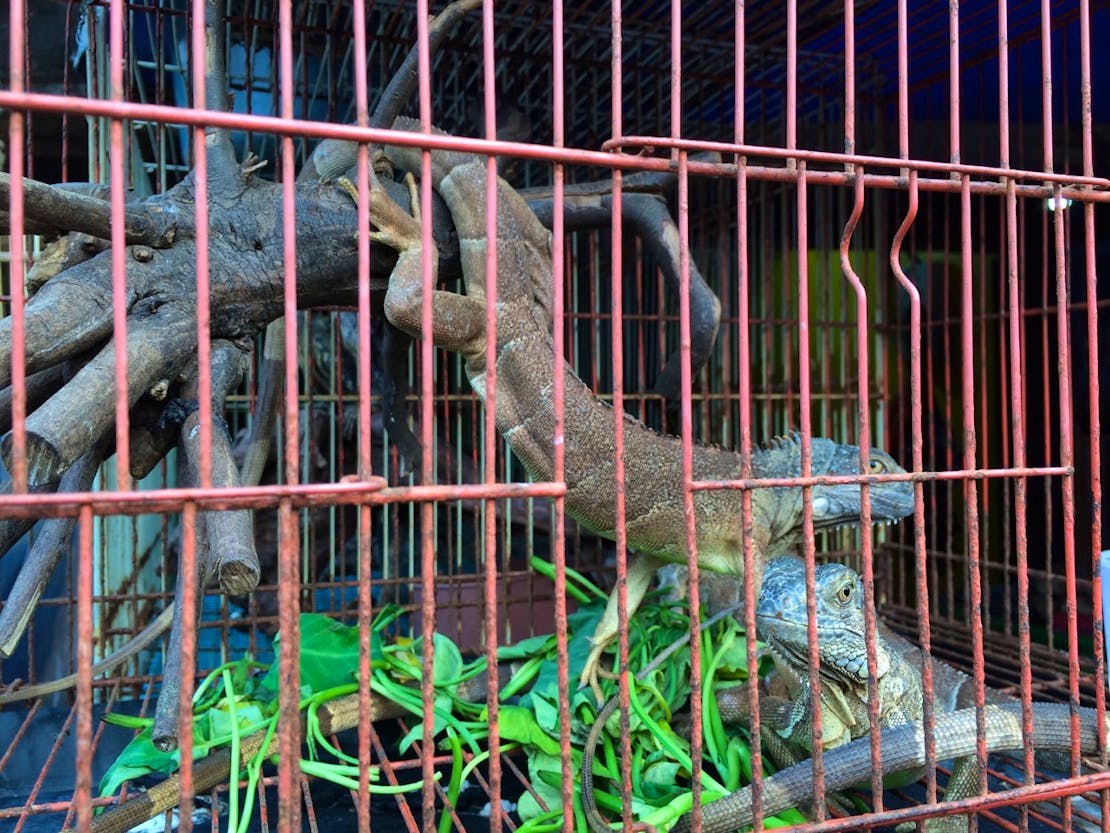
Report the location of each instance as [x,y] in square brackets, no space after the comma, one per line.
[654,504]
[785,714]
[903,749]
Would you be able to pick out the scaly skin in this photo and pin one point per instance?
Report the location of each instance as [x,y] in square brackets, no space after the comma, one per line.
[903,749]
[654,504]
[785,715]
[782,623]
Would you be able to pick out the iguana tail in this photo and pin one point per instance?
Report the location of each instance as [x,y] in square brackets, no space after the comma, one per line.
[903,749]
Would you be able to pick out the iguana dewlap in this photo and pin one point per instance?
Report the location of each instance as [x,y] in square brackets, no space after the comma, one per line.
[524,402]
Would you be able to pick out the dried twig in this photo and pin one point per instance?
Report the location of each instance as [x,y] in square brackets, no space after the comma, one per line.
[141,641]
[52,541]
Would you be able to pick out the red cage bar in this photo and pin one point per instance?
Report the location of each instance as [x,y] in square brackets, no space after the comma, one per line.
[888,231]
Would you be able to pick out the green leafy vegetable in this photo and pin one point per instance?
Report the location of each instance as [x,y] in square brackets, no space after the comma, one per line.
[235,700]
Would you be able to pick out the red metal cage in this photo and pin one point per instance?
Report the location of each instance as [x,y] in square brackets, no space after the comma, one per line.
[898,210]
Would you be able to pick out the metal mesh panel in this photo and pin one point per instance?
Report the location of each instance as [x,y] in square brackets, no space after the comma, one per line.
[965,195]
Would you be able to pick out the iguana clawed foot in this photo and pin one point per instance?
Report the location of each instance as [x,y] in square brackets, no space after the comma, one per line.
[397,228]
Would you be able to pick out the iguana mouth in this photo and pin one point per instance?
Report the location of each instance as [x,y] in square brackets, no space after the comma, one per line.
[794,652]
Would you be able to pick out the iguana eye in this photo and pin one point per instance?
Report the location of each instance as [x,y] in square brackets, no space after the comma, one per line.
[877,466]
[844,594]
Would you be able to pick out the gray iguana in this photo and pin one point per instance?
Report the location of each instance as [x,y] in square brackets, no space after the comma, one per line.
[785,714]
[654,503]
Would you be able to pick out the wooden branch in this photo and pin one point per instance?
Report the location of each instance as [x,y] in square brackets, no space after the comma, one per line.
[58,255]
[68,423]
[229,533]
[68,210]
[261,436]
[39,387]
[13,529]
[224,540]
[333,157]
[221,155]
[151,438]
[164,731]
[53,540]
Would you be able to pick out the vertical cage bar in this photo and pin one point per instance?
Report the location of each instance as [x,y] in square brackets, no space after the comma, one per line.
[491,437]
[191,564]
[558,306]
[207,22]
[616,345]
[365,462]
[427,415]
[805,422]
[920,547]
[289,573]
[1094,414]
[744,403]
[119,249]
[82,794]
[1015,325]
[16,274]
[864,404]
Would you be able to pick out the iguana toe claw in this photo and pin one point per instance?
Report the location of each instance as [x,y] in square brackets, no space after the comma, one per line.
[591,669]
[349,188]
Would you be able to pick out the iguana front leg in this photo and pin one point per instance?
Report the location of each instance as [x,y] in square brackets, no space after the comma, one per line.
[458,321]
[641,569]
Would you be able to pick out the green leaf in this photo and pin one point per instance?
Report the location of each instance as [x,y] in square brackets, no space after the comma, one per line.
[248,713]
[527,648]
[329,652]
[545,771]
[519,723]
[329,655]
[448,662]
[546,712]
[660,781]
[141,757]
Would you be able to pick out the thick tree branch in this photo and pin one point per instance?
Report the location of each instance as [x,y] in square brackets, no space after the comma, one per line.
[222,166]
[164,730]
[229,533]
[70,314]
[40,386]
[224,539]
[68,423]
[65,209]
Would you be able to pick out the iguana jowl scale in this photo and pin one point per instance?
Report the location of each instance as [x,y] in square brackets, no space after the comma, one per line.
[654,504]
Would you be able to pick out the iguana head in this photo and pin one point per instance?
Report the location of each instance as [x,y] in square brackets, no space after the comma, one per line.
[833,505]
[781,621]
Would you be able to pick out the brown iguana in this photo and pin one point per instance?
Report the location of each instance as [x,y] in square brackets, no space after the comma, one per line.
[654,504]
[785,714]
